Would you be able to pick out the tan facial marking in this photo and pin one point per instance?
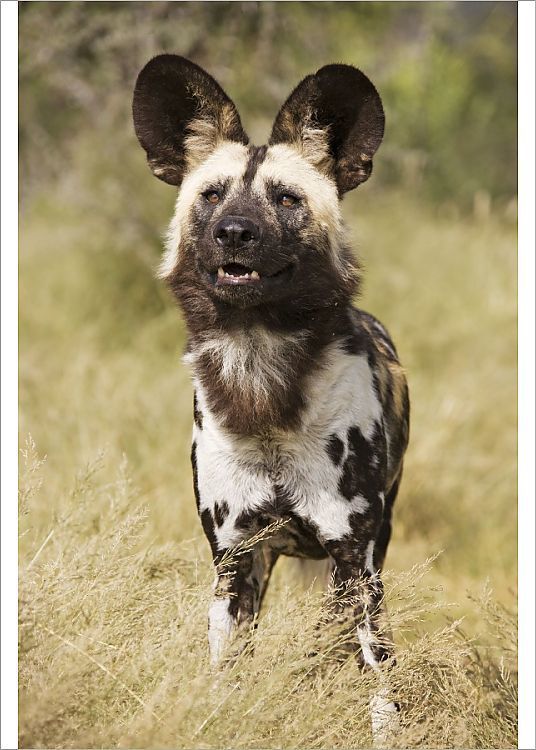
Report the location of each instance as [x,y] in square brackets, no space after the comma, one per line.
[286,165]
[228,161]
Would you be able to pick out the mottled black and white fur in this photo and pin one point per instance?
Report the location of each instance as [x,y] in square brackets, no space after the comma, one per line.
[301,407]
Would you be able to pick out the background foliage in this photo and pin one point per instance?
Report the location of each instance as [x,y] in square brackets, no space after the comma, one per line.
[100,342]
[446,72]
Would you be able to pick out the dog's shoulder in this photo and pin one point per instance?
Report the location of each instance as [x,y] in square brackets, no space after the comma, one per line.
[371,336]
[368,335]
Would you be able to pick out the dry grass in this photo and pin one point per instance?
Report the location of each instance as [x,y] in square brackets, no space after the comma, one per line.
[113,650]
[115,582]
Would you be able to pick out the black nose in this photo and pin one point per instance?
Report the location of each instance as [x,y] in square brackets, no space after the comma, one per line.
[233,232]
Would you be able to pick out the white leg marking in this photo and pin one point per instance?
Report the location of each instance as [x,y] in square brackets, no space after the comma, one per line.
[385,719]
[383,711]
[369,557]
[220,627]
[366,640]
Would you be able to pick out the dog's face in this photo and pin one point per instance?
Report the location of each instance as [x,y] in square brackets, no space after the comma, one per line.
[255,227]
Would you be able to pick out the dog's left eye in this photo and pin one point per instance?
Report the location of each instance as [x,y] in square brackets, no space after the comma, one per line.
[212,196]
[287,200]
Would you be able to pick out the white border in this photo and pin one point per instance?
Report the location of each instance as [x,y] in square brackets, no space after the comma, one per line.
[526,269]
[9,329]
[526,376]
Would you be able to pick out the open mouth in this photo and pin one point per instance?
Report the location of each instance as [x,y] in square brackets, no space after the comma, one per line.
[236,274]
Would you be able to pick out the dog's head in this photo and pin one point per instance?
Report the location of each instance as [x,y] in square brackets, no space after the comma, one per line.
[258,227]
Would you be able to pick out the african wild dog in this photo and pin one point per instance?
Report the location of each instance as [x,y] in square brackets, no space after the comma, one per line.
[301,407]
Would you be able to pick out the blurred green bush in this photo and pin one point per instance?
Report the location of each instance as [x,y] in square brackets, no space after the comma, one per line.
[446,72]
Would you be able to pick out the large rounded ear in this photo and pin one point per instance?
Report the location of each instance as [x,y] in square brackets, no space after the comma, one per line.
[335,118]
[180,115]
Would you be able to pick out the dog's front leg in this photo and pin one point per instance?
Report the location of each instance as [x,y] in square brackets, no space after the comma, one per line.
[233,605]
[359,597]
[238,592]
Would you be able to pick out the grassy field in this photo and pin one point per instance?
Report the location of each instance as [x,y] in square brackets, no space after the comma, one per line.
[115,572]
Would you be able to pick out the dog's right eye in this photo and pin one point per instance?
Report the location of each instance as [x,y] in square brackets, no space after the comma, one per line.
[212,196]
[287,200]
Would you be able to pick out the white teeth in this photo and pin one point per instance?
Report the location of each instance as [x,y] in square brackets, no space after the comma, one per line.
[253,275]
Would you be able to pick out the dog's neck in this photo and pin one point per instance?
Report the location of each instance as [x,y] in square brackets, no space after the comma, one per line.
[253,363]
[254,377]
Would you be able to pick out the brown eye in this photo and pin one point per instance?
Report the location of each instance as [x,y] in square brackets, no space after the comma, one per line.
[287,200]
[212,196]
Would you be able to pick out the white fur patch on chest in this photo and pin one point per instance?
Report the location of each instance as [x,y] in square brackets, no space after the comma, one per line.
[244,472]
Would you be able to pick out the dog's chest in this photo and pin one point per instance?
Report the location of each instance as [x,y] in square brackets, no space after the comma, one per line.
[319,478]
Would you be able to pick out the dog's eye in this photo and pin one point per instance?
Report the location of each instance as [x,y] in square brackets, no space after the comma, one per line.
[212,196]
[287,200]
